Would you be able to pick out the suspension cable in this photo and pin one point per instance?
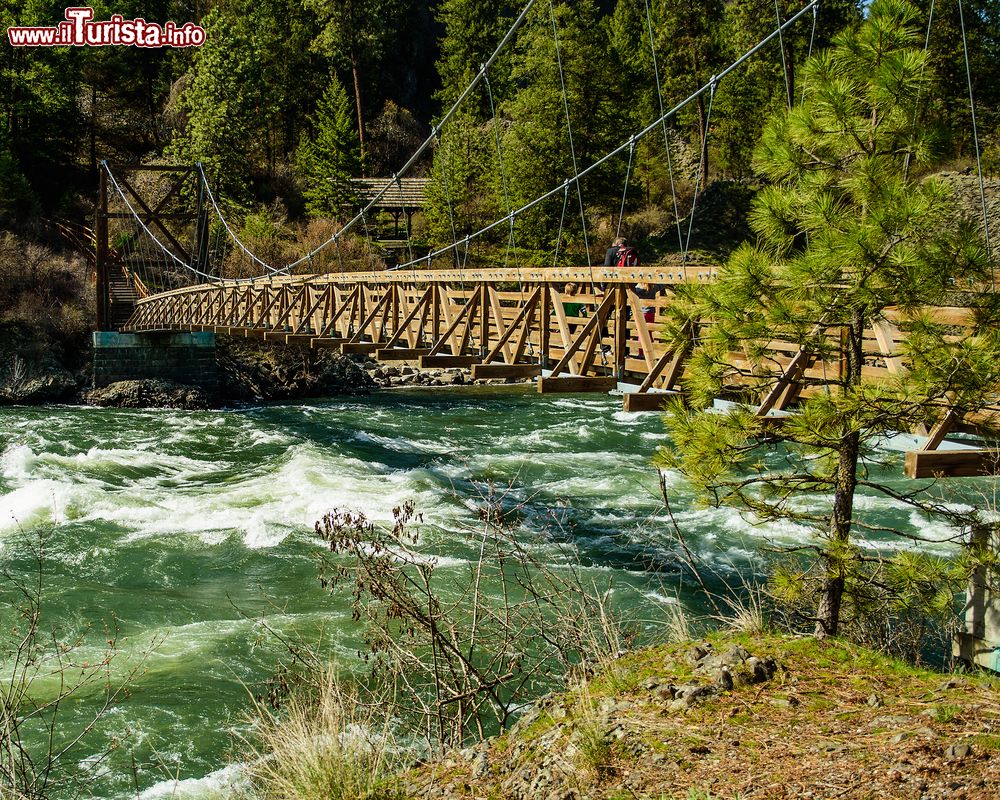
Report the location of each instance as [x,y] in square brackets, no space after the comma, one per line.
[236,239]
[409,231]
[812,39]
[447,195]
[569,129]
[511,241]
[434,131]
[701,168]
[628,173]
[916,102]
[784,61]
[164,248]
[562,221]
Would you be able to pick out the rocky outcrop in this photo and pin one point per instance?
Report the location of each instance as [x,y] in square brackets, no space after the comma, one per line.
[766,716]
[571,746]
[251,371]
[148,394]
[31,368]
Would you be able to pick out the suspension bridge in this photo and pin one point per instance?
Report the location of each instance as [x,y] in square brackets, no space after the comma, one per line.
[584,328]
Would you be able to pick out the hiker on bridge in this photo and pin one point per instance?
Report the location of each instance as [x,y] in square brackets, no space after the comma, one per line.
[620,254]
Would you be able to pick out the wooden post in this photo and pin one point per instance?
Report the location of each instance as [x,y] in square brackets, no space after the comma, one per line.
[484,319]
[544,321]
[101,253]
[621,331]
[436,312]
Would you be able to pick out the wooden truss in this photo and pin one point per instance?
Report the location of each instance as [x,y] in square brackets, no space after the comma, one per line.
[516,324]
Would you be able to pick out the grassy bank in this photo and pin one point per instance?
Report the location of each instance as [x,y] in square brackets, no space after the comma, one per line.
[732,716]
[833,720]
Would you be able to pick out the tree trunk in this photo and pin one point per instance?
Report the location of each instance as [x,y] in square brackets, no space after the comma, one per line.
[357,105]
[831,591]
[93,127]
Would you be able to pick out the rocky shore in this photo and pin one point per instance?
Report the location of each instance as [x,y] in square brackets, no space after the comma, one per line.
[35,369]
[251,371]
[147,394]
[391,376]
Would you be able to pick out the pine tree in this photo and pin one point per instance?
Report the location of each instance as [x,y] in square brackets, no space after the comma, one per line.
[472,30]
[248,91]
[949,99]
[847,231]
[358,34]
[460,198]
[224,104]
[770,79]
[689,41]
[38,101]
[329,158]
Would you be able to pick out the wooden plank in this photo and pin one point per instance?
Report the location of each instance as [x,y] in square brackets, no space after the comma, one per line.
[521,318]
[671,361]
[447,361]
[951,463]
[594,323]
[400,329]
[326,343]
[646,401]
[885,335]
[449,335]
[363,348]
[642,330]
[576,383]
[400,353]
[488,371]
[299,338]
[942,315]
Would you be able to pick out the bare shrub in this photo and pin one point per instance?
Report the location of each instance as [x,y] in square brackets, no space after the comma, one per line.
[351,253]
[44,289]
[460,655]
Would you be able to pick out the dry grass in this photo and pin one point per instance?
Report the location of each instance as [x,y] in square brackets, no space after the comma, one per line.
[745,611]
[324,744]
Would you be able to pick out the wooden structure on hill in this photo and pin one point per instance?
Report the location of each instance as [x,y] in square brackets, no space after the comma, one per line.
[401,197]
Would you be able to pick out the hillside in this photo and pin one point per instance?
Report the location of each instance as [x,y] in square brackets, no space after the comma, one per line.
[742,717]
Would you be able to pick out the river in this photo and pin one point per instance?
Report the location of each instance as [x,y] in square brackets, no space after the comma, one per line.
[178,533]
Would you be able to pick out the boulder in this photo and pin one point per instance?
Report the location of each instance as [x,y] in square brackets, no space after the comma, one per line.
[148,394]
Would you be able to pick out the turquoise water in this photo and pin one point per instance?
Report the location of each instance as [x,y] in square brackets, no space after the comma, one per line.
[182,535]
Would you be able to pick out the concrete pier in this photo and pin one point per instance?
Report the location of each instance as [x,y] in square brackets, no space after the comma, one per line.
[186,358]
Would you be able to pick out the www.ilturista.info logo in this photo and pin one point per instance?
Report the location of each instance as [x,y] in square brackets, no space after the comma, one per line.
[78,30]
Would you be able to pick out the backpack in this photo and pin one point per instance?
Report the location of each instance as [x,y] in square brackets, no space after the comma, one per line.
[628,257]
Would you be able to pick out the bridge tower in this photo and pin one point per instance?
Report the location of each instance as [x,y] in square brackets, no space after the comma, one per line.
[125,272]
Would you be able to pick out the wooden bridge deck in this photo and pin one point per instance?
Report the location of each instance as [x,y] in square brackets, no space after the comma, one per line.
[509,323]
